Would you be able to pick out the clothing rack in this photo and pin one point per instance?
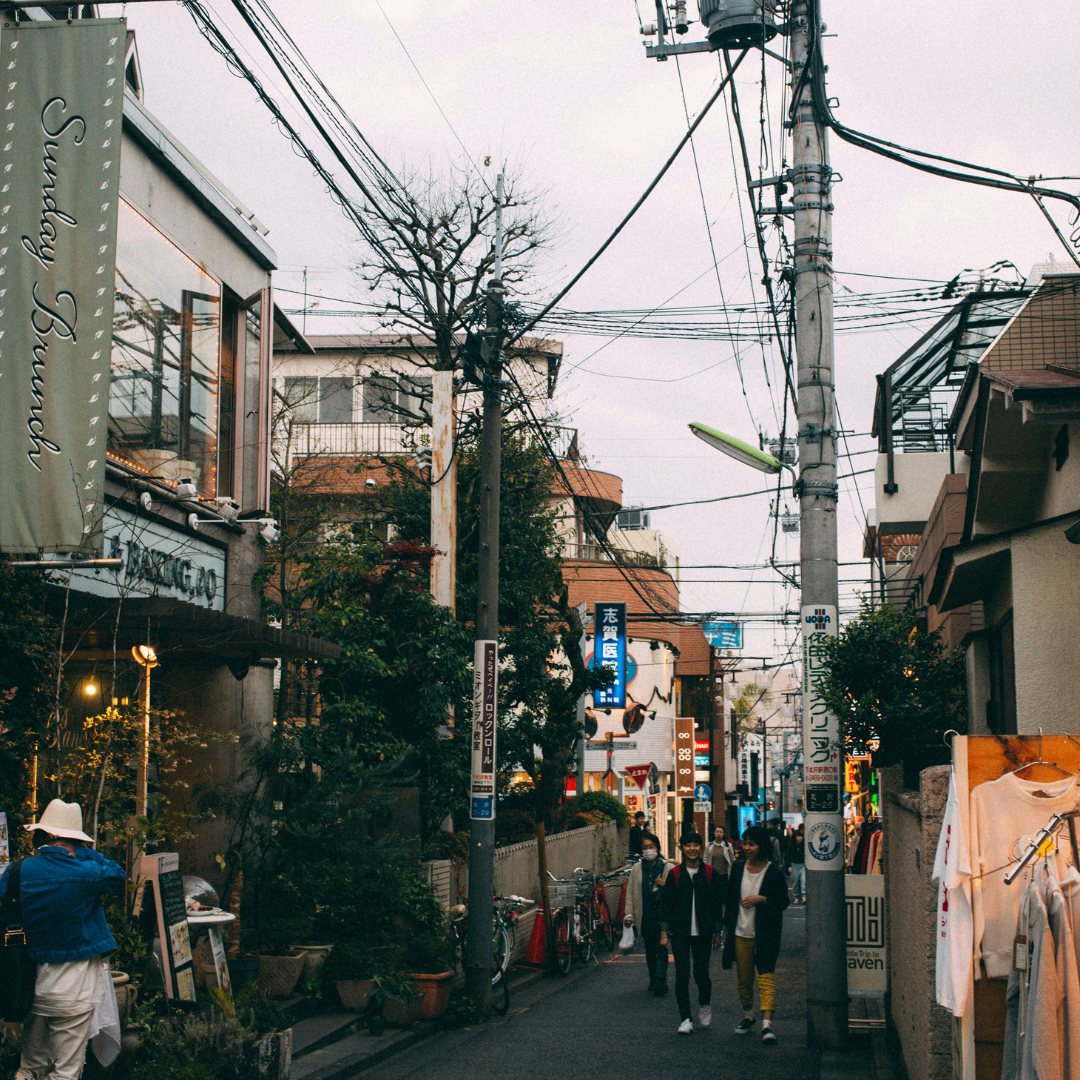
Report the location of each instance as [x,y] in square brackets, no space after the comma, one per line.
[1035,848]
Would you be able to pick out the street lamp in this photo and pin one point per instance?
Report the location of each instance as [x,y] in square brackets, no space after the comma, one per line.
[739,450]
[146,658]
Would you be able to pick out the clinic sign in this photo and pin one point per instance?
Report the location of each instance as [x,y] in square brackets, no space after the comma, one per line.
[485,711]
[61,109]
[822,752]
[610,653]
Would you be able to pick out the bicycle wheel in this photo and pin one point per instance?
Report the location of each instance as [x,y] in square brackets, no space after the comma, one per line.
[501,949]
[500,992]
[605,930]
[583,932]
[563,946]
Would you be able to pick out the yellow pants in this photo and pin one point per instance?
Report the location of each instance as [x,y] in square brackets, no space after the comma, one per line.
[745,952]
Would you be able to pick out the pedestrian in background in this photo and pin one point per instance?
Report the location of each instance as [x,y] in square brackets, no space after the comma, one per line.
[797,855]
[637,831]
[691,907]
[754,918]
[66,933]
[720,855]
[643,910]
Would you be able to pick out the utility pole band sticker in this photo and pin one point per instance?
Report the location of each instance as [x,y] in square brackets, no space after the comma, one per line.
[824,842]
[485,710]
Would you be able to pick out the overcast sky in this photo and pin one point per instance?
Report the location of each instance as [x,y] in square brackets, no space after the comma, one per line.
[574,106]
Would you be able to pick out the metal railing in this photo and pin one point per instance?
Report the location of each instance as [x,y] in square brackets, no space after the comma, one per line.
[356,440]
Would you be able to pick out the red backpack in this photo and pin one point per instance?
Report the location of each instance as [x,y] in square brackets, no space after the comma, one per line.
[708,874]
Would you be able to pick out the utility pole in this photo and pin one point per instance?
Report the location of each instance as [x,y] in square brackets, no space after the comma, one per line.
[478,950]
[727,25]
[811,176]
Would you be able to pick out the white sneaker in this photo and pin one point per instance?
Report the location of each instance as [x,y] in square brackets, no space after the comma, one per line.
[705,1016]
[686,1028]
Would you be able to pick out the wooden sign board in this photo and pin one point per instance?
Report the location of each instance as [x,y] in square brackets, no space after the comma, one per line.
[684,757]
[160,884]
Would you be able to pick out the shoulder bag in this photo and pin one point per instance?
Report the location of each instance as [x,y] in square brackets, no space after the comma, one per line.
[18,969]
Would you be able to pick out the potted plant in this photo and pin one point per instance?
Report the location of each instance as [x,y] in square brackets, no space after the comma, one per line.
[279,965]
[351,967]
[430,958]
[390,1000]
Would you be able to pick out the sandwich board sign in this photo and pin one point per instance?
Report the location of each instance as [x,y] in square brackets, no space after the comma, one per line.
[161,890]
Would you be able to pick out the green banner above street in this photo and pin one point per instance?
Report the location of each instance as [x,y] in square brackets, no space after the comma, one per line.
[61,109]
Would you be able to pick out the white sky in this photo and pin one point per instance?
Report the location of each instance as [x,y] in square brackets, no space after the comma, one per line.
[576,107]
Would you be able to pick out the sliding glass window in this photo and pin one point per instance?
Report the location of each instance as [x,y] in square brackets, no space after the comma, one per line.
[163,395]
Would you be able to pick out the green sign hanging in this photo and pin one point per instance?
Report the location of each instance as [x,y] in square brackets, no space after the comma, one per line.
[61,112]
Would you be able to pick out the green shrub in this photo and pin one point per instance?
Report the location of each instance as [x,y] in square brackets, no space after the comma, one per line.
[602,802]
[193,1048]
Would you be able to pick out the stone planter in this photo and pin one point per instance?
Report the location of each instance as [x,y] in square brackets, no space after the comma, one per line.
[402,1013]
[278,975]
[432,994]
[314,955]
[353,993]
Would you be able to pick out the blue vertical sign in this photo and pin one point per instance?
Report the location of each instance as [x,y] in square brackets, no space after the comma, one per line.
[611,653]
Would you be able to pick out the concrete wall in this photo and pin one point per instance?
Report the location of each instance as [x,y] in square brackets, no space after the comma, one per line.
[912,821]
[918,479]
[1046,598]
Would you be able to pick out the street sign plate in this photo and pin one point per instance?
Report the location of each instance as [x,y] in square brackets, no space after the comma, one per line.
[638,773]
[702,807]
[702,793]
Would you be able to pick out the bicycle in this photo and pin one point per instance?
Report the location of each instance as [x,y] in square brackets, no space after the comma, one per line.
[500,984]
[504,930]
[572,925]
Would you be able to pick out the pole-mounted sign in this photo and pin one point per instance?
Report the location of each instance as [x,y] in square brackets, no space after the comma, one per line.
[822,759]
[485,687]
[684,757]
[610,653]
[61,101]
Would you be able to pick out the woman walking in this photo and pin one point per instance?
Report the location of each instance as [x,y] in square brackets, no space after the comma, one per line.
[643,910]
[720,855]
[754,919]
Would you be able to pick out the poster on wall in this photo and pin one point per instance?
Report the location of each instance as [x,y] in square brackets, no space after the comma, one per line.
[62,103]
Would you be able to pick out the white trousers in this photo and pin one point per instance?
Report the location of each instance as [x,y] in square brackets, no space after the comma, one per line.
[59,1041]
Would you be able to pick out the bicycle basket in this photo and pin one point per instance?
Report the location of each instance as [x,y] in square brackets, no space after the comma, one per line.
[563,894]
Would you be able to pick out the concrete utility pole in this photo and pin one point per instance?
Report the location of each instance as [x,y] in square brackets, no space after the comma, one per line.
[478,947]
[826,934]
[443,490]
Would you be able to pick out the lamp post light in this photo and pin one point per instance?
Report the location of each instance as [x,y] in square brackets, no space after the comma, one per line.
[146,658]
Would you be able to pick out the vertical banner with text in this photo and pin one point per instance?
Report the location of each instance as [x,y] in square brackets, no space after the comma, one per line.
[823,758]
[61,105]
[611,653]
[684,757]
[485,711]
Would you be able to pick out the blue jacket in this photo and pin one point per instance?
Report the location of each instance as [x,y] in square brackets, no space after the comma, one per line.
[61,903]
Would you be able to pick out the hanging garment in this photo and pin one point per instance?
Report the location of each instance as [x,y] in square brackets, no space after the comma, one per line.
[952,872]
[1061,926]
[1033,1008]
[1005,815]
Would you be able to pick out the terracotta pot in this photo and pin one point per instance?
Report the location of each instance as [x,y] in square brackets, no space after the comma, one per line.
[278,975]
[433,994]
[353,993]
[126,992]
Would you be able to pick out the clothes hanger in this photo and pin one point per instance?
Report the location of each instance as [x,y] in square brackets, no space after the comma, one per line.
[1041,761]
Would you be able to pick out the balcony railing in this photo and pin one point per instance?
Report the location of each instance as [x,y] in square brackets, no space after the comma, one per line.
[356,440]
[594,552]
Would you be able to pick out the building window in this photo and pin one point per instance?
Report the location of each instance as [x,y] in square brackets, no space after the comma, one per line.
[163,392]
[335,401]
[397,400]
[326,400]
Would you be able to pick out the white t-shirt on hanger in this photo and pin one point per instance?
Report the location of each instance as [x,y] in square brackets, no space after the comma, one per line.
[952,872]
[1006,815]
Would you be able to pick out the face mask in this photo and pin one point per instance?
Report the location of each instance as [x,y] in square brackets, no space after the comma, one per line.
[649,854]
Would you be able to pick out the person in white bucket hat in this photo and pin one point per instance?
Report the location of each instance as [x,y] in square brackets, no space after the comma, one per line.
[66,933]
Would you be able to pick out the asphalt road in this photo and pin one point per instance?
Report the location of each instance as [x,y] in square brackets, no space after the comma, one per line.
[602,1018]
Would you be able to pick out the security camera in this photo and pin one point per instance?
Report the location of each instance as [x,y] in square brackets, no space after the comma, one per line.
[369,483]
[226,507]
[186,489]
[269,531]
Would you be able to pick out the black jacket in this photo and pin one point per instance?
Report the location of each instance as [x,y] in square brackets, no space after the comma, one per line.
[768,917]
[705,888]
